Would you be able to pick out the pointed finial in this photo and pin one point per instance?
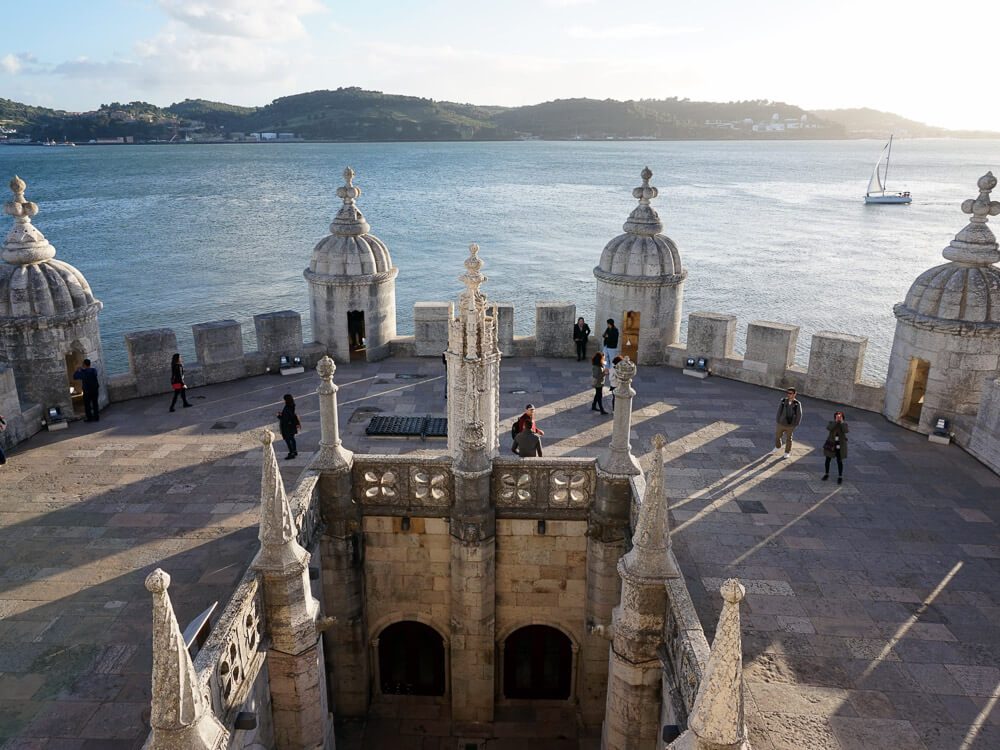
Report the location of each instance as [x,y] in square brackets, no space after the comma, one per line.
[19,208]
[649,557]
[24,243]
[277,524]
[349,221]
[717,715]
[644,221]
[326,368]
[625,370]
[976,244]
[473,277]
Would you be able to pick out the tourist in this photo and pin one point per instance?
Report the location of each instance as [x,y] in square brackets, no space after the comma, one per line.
[91,387]
[581,332]
[527,444]
[836,445]
[599,371]
[289,423]
[527,420]
[3,428]
[610,341]
[177,381]
[613,381]
[789,416]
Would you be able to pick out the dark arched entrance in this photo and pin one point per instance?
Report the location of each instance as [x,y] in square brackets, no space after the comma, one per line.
[411,660]
[537,663]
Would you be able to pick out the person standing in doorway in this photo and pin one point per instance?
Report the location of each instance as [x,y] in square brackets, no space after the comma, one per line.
[91,388]
[581,332]
[598,370]
[289,423]
[836,445]
[789,417]
[610,341]
[177,381]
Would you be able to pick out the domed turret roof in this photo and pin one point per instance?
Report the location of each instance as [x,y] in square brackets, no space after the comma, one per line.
[967,289]
[642,251]
[32,283]
[350,250]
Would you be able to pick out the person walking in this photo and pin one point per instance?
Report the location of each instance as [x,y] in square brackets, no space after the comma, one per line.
[836,445]
[613,381]
[289,423]
[91,388]
[789,417]
[581,332]
[177,381]
[610,339]
[598,370]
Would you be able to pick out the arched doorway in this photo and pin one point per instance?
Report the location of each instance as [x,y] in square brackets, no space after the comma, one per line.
[411,660]
[630,335]
[538,664]
[74,360]
[356,341]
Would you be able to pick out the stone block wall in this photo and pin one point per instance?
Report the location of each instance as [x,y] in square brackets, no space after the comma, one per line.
[149,354]
[278,333]
[219,348]
[554,329]
[505,327]
[985,443]
[430,327]
[18,426]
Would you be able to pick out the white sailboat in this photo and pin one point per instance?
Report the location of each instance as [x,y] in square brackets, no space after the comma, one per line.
[876,185]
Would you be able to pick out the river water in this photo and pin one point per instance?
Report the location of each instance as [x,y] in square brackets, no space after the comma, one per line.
[169,236]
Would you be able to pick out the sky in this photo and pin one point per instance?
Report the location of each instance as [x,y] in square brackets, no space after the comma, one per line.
[926,60]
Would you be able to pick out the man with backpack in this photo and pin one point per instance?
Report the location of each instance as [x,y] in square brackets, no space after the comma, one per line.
[526,424]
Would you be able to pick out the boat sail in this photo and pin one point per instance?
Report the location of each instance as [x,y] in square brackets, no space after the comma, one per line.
[876,185]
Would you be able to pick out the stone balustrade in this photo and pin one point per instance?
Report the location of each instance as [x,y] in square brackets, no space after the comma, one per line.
[403,485]
[552,488]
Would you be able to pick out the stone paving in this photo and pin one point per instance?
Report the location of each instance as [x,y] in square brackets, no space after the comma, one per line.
[872,608]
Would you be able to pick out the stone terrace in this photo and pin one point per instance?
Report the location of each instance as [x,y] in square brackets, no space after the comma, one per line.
[872,608]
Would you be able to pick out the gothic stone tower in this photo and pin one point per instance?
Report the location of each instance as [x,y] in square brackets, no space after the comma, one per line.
[640,283]
[947,338]
[352,287]
[473,361]
[48,315]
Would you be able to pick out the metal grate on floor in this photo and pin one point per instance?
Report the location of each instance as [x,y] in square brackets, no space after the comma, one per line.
[422,427]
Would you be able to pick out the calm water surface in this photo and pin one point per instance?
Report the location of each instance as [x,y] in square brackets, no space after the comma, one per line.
[170,236]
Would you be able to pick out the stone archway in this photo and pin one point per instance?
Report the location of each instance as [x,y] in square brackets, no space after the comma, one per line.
[538,664]
[411,660]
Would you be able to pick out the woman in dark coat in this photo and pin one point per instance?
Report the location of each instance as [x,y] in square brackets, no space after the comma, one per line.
[836,445]
[289,423]
[598,370]
[177,381]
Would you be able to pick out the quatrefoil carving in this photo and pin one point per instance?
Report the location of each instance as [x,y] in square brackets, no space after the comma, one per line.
[429,486]
[380,486]
[515,488]
[568,488]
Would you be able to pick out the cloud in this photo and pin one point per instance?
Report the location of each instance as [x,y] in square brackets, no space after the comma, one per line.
[10,64]
[630,31]
[275,20]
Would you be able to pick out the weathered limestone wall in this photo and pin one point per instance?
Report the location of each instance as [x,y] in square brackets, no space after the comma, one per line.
[219,348]
[554,329]
[23,420]
[959,368]
[331,298]
[407,573]
[985,443]
[259,703]
[835,359]
[659,309]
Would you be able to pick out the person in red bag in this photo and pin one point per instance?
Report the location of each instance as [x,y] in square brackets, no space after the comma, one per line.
[177,381]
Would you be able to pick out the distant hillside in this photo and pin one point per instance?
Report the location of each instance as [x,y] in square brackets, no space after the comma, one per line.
[354,114]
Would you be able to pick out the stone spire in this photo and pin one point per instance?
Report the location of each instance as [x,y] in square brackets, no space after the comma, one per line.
[349,220]
[278,543]
[180,715]
[717,716]
[25,243]
[472,305]
[644,221]
[332,454]
[650,556]
[975,244]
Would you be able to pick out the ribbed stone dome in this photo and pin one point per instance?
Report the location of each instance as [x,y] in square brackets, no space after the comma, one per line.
[642,250]
[968,288]
[350,250]
[32,283]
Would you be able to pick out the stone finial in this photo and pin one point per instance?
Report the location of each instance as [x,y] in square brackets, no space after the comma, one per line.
[649,557]
[179,713]
[349,220]
[278,533]
[625,371]
[717,715]
[473,277]
[976,243]
[644,221]
[326,368]
[24,243]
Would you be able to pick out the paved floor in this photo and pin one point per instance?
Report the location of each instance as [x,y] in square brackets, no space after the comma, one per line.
[871,618]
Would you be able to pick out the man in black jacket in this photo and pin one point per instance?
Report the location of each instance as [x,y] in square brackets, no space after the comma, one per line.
[789,416]
[91,388]
[581,332]
[610,342]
